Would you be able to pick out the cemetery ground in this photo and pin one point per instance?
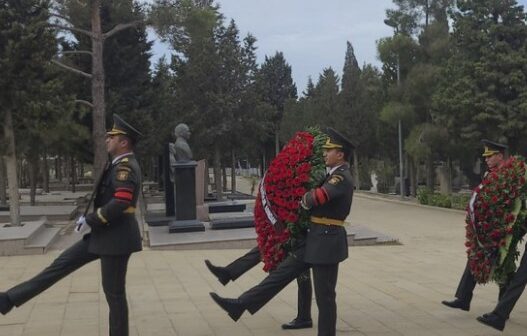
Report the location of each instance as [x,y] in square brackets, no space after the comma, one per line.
[382,290]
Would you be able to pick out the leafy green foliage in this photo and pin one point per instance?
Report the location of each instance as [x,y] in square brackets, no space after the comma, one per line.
[483,90]
[32,89]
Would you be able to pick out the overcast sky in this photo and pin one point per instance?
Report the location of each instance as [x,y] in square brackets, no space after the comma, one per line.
[312,34]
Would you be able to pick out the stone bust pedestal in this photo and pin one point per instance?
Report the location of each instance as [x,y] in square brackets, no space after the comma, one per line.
[185,198]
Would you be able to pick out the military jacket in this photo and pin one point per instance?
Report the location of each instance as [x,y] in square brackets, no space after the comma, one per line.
[330,204]
[114,227]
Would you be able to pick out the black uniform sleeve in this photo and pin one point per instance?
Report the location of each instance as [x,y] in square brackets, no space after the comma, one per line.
[125,181]
[334,187]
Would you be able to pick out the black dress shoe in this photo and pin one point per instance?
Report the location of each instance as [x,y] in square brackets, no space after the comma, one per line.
[5,304]
[220,272]
[493,320]
[457,303]
[298,324]
[487,314]
[233,307]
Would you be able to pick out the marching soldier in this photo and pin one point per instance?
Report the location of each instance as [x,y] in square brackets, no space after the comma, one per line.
[494,155]
[238,267]
[508,298]
[325,244]
[114,233]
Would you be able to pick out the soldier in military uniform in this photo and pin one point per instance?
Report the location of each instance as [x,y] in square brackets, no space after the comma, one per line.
[327,244]
[508,298]
[114,233]
[323,248]
[238,267]
[494,155]
[509,295]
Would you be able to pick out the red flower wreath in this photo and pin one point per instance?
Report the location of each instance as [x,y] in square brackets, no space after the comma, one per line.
[495,227]
[277,213]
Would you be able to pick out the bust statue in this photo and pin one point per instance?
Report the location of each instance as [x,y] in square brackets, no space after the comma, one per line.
[180,150]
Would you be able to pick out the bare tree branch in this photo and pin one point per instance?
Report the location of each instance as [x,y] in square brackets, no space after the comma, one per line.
[59,16]
[84,102]
[73,29]
[87,52]
[119,27]
[67,67]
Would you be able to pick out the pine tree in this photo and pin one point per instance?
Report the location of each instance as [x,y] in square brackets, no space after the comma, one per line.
[483,93]
[352,112]
[128,83]
[276,87]
[83,20]
[28,87]
[214,78]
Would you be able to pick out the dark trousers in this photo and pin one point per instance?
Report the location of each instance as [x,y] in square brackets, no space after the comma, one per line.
[113,273]
[305,295]
[243,264]
[466,286]
[325,281]
[514,290]
[289,269]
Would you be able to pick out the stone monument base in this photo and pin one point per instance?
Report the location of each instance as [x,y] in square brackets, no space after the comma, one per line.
[158,219]
[202,213]
[226,206]
[190,225]
[232,223]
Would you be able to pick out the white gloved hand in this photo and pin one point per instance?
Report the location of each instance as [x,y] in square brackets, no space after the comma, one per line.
[303,205]
[81,225]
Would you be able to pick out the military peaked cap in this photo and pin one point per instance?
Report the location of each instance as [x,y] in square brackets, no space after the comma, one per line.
[122,127]
[492,148]
[337,140]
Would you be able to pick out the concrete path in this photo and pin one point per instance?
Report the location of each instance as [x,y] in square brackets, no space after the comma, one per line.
[382,290]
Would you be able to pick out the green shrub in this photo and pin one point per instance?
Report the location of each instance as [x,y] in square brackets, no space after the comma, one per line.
[385,176]
[423,195]
[440,200]
[460,201]
[455,201]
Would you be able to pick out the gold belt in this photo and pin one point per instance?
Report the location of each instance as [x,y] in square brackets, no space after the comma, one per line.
[129,210]
[326,221]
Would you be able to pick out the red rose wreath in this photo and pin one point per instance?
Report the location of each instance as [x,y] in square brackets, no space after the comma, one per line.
[277,213]
[494,227]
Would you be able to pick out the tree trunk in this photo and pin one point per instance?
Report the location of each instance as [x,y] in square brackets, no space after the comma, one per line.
[58,168]
[12,178]
[33,173]
[45,172]
[276,143]
[430,172]
[413,177]
[67,170]
[449,176]
[217,172]
[98,116]
[207,179]
[3,183]
[233,172]
[73,174]
[264,163]
[224,178]
[356,170]
[22,174]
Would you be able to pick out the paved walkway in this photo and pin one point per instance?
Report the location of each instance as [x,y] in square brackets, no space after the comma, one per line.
[382,291]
